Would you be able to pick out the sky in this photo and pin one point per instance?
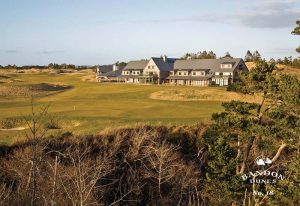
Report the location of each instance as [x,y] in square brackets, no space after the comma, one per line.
[90,32]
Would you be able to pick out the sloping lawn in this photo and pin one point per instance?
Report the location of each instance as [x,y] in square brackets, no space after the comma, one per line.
[88,107]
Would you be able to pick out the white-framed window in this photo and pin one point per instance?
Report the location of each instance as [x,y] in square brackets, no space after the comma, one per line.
[226,66]
[225,82]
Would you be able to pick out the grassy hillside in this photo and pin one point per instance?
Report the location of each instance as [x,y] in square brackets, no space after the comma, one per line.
[84,106]
[280,68]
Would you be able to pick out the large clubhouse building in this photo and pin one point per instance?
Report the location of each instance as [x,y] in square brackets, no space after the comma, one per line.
[163,70]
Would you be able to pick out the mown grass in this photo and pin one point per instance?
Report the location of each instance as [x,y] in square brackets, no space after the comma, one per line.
[88,107]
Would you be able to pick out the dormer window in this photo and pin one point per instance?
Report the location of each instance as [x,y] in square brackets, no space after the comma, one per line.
[227,65]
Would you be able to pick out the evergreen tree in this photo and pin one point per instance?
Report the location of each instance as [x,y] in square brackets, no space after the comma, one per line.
[227,55]
[212,55]
[256,56]
[296,31]
[249,56]
[271,127]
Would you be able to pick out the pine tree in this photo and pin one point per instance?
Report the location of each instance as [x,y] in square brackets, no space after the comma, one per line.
[227,55]
[271,127]
[296,31]
[256,56]
[212,55]
[249,56]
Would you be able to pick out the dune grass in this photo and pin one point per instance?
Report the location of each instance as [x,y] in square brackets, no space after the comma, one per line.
[89,107]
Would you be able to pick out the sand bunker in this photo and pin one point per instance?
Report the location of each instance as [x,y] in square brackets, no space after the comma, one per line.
[13,129]
[31,90]
[207,94]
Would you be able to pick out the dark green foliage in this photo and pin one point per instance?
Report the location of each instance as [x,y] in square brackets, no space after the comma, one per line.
[227,55]
[248,57]
[200,55]
[50,66]
[296,31]
[122,64]
[290,61]
[254,129]
[238,86]
[228,120]
[239,107]
[221,164]
[222,183]
[61,66]
[259,79]
[289,89]
[255,56]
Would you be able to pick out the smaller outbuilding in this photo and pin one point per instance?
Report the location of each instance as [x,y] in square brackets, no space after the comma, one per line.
[109,73]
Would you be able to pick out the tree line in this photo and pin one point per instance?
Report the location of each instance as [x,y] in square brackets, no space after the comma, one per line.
[204,55]
[49,66]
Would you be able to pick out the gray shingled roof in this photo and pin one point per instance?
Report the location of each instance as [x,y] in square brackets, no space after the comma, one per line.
[113,73]
[108,68]
[214,65]
[162,65]
[132,65]
[105,68]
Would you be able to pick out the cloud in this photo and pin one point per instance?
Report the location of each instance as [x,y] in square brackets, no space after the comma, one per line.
[267,14]
[260,14]
[202,18]
[11,51]
[282,51]
[52,51]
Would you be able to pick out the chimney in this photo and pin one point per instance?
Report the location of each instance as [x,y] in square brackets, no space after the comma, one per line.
[115,67]
[165,58]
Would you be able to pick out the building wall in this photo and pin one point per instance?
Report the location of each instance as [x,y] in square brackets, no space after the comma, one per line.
[136,72]
[181,73]
[201,83]
[221,81]
[131,80]
[240,67]
[151,67]
[164,74]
